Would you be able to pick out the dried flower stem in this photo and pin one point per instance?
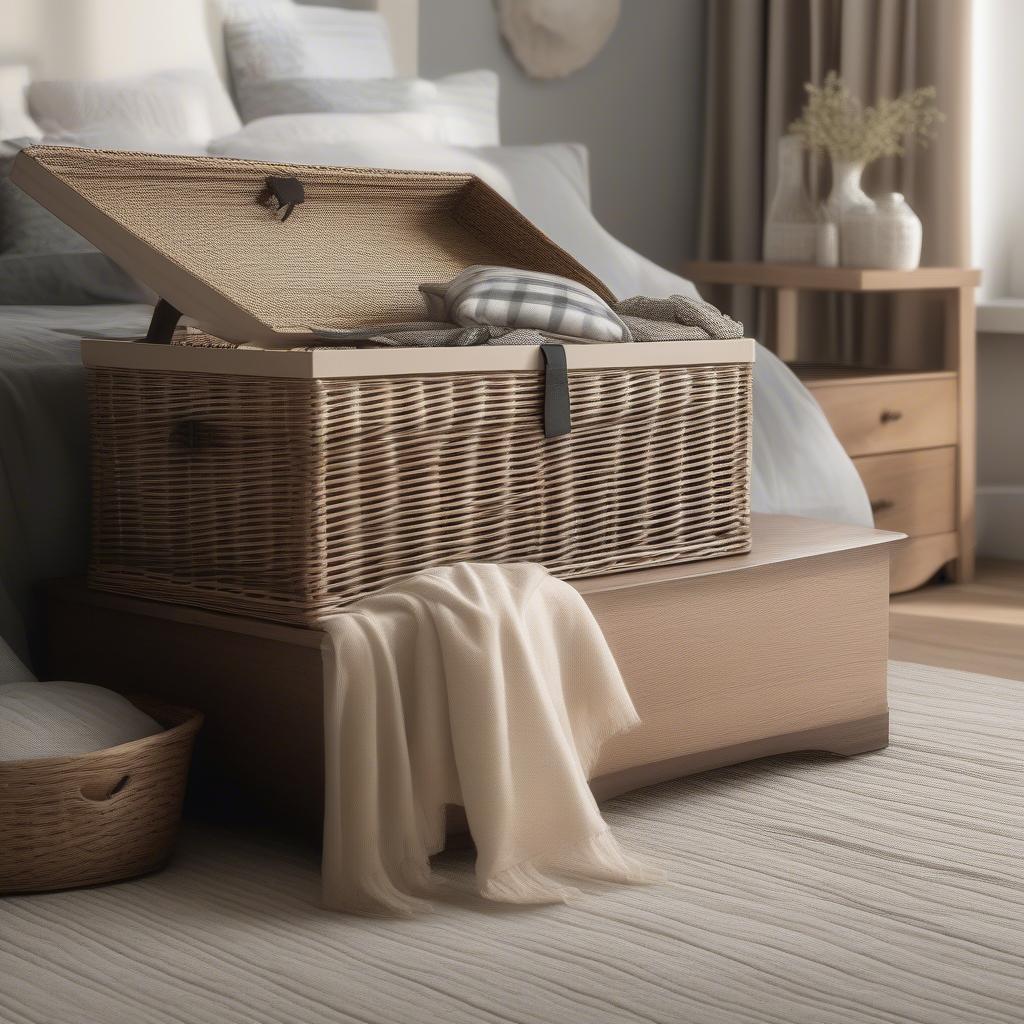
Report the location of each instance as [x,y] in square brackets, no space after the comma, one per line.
[835,121]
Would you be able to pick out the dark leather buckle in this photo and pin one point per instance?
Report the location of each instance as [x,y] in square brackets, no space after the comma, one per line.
[286,192]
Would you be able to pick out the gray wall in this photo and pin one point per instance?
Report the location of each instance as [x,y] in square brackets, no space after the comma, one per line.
[637,108]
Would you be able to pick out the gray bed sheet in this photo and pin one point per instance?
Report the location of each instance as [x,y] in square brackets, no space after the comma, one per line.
[44,444]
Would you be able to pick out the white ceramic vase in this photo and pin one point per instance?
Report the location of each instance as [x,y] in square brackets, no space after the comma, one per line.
[887,236]
[826,250]
[790,230]
[846,195]
[847,205]
[898,234]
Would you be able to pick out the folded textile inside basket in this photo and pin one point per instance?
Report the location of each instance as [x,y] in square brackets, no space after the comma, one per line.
[507,297]
[489,686]
[503,306]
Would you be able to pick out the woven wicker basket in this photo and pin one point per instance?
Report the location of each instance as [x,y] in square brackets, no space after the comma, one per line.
[299,496]
[286,484]
[99,817]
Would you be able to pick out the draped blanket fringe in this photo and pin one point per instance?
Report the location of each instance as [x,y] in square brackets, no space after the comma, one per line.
[486,686]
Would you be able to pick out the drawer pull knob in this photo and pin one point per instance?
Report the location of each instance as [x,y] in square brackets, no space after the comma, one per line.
[891,415]
[882,505]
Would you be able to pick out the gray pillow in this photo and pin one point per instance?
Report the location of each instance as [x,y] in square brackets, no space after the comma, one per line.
[274,97]
[44,262]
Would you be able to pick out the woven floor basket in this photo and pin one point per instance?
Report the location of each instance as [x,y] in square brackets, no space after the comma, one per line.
[288,499]
[100,817]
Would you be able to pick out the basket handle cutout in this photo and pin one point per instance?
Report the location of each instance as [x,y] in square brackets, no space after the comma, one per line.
[99,790]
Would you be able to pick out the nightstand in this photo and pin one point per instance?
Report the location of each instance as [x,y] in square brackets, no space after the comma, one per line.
[910,434]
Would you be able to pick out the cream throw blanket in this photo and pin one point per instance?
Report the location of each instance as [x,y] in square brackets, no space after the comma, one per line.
[489,686]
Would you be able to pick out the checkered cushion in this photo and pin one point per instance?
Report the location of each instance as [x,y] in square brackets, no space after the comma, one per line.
[503,297]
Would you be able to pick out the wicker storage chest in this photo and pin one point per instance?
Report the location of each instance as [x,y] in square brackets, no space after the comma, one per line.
[283,481]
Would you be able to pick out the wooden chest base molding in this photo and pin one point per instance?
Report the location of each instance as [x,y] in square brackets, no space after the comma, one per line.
[778,650]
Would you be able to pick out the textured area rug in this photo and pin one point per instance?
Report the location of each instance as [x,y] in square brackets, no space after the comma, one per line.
[801,890]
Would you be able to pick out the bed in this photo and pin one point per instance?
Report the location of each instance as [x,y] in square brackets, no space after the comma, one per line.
[799,466]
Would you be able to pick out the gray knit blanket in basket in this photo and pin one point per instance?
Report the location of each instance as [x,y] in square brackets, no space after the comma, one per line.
[676,318]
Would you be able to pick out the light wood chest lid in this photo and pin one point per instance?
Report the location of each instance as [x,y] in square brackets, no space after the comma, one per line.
[352,253]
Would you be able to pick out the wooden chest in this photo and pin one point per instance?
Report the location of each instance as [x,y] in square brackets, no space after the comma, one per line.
[781,649]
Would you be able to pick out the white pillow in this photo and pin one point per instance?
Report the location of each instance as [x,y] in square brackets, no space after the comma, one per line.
[128,141]
[464,106]
[541,172]
[63,719]
[346,44]
[15,122]
[409,154]
[190,106]
[306,130]
[273,41]
[240,10]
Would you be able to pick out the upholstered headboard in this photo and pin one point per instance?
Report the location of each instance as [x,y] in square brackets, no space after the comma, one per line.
[107,38]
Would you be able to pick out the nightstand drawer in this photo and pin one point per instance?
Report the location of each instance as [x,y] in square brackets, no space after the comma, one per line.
[871,418]
[912,492]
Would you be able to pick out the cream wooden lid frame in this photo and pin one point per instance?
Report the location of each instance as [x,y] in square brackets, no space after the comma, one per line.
[325,363]
[352,254]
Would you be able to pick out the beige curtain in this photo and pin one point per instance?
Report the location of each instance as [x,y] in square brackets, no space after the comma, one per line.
[761,52]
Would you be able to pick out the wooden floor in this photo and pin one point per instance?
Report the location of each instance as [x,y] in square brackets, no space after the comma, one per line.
[976,627]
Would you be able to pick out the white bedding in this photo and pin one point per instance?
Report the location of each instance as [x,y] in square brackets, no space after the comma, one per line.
[883,889]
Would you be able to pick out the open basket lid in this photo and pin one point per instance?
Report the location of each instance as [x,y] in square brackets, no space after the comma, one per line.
[270,253]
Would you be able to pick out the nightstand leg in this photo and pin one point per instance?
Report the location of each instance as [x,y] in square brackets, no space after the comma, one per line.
[785,324]
[961,356]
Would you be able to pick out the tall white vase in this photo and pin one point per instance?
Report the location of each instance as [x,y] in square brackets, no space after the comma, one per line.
[846,193]
[790,229]
[846,204]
